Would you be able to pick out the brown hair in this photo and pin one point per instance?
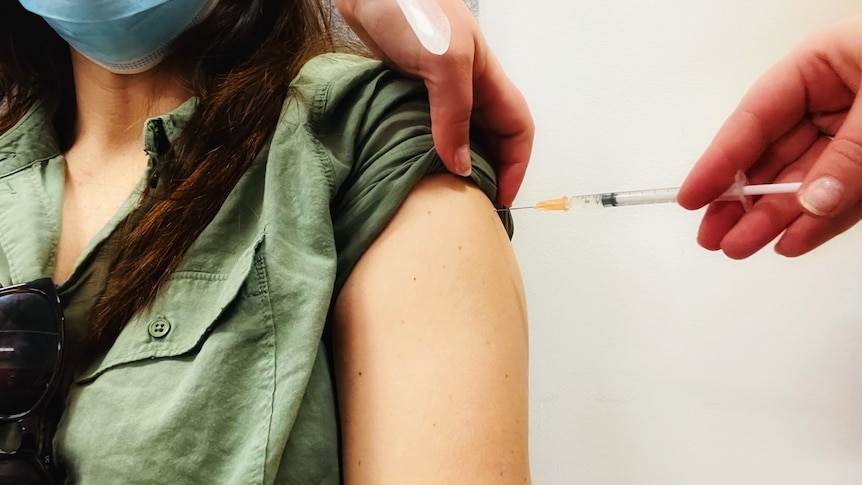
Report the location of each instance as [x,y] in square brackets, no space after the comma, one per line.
[240,61]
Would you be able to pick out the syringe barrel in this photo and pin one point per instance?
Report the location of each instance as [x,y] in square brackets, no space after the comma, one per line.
[659,196]
[615,199]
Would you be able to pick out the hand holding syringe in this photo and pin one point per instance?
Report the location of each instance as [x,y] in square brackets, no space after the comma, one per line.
[739,191]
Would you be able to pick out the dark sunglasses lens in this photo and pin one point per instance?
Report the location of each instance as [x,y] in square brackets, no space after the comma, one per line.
[21,471]
[29,340]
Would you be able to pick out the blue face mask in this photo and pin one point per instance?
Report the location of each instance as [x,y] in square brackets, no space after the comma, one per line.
[123,36]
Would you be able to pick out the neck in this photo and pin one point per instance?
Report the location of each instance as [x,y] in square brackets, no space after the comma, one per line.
[112,108]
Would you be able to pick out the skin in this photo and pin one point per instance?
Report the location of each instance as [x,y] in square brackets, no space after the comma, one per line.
[465,84]
[431,358]
[802,121]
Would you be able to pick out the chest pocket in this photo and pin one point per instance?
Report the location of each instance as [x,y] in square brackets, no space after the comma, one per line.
[185,312]
[186,390]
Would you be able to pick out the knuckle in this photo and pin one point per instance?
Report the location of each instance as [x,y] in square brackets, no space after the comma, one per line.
[458,60]
[756,126]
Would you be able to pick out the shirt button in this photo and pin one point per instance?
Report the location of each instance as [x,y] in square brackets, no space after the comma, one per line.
[159,328]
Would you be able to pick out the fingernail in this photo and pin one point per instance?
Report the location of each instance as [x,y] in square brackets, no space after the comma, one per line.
[463,163]
[822,196]
[429,23]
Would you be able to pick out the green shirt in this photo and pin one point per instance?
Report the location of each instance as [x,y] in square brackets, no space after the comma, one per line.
[226,378]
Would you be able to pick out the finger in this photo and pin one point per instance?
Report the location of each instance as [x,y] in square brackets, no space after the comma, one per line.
[834,183]
[501,111]
[829,123]
[766,220]
[771,214]
[721,217]
[448,78]
[809,232]
[509,140]
[740,234]
[514,159]
[774,105]
[450,92]
[718,220]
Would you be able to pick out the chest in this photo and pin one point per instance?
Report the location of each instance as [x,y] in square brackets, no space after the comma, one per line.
[91,199]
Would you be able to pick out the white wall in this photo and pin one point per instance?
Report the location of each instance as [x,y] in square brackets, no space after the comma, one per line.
[653,360]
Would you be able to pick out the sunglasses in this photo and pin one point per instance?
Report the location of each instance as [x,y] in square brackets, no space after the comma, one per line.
[31,350]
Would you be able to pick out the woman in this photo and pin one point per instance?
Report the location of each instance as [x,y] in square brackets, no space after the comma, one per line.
[281,236]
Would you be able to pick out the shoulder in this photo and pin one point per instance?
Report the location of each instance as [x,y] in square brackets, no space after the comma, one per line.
[347,108]
[32,137]
[368,129]
[333,87]
[430,335]
[333,76]
[335,66]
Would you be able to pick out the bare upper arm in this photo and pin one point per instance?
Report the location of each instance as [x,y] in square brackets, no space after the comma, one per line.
[431,347]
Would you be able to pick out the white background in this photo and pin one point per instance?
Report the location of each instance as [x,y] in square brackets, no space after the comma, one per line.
[654,361]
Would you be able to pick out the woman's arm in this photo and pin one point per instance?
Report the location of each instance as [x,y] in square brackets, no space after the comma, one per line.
[431,347]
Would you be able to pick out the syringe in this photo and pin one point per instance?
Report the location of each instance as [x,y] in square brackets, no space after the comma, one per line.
[654,196]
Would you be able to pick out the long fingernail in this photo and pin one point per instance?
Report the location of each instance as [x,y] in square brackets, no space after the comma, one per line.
[463,162]
[429,22]
[822,196]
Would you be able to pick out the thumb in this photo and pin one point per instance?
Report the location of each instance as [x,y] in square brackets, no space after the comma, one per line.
[834,183]
[451,101]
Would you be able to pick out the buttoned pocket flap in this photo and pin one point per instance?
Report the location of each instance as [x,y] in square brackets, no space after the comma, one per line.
[178,321]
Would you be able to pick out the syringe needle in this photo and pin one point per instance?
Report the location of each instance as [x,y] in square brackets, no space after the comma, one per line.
[558,204]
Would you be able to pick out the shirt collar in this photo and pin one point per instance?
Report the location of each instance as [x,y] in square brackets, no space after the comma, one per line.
[161,131]
[33,137]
